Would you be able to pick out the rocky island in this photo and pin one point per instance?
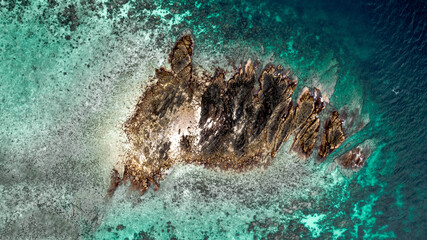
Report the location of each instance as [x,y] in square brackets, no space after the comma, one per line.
[234,124]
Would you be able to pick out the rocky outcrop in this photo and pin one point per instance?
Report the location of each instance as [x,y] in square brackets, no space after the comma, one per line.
[229,125]
[353,159]
[309,106]
[333,135]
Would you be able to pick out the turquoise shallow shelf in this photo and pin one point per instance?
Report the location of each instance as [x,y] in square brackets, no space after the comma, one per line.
[71,73]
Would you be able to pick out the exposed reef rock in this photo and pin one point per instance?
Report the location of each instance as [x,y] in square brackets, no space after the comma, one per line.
[333,135]
[353,159]
[308,105]
[229,125]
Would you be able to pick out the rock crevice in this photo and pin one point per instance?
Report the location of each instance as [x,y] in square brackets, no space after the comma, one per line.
[231,125]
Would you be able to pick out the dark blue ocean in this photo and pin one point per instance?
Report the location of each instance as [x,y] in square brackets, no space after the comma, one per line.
[71,72]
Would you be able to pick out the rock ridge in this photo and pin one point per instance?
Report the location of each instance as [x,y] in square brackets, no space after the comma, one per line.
[229,125]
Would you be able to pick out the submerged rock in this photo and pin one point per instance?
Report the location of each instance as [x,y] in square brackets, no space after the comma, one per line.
[353,159]
[229,125]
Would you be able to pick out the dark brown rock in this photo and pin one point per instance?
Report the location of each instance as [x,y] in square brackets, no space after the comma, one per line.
[353,159]
[120,227]
[181,57]
[114,182]
[333,135]
[311,105]
[230,125]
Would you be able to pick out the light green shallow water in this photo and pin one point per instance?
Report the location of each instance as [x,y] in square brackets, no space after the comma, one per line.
[63,103]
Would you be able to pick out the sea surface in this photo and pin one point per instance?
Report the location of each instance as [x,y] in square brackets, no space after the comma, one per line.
[72,71]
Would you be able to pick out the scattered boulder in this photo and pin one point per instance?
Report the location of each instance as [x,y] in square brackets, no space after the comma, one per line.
[353,159]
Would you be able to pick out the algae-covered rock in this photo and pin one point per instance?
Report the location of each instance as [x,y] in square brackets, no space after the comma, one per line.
[353,159]
[233,124]
[333,135]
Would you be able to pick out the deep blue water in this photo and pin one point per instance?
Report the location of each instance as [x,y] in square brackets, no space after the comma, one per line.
[389,39]
[394,76]
[399,63]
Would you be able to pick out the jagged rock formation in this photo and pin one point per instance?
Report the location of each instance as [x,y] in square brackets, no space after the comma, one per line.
[333,135]
[307,136]
[230,125]
[353,159]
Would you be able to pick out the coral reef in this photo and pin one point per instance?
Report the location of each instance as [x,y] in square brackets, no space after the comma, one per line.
[229,125]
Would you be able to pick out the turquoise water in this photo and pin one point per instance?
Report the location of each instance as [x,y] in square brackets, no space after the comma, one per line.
[71,73]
